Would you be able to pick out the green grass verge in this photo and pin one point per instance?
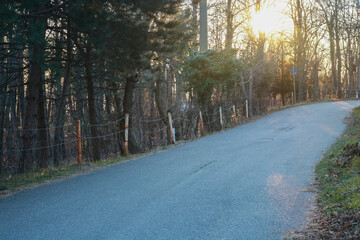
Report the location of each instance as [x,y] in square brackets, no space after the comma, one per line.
[338,173]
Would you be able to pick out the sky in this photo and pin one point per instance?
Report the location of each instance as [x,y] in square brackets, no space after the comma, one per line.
[271,18]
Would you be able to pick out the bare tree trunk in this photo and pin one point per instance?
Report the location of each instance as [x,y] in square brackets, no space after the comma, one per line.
[338,53]
[243,85]
[59,120]
[3,96]
[351,66]
[316,77]
[43,140]
[333,61]
[229,25]
[160,102]
[159,98]
[118,113]
[203,26]
[128,104]
[95,143]
[251,92]
[300,50]
[195,6]
[358,77]
[32,96]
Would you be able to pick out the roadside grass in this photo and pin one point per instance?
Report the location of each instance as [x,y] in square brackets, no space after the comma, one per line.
[338,173]
[38,177]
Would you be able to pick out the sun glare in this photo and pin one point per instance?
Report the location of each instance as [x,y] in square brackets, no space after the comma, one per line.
[270,19]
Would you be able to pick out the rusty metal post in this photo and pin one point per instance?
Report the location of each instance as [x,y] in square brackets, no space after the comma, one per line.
[78,135]
[171,128]
[221,118]
[234,111]
[202,133]
[126,150]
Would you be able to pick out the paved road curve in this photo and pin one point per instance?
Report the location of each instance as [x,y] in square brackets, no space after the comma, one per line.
[240,184]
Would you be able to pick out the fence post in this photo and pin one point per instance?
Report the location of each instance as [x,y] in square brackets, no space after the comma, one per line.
[307,95]
[265,105]
[126,150]
[247,108]
[171,128]
[221,118]
[258,107]
[234,110]
[201,125]
[78,135]
[292,98]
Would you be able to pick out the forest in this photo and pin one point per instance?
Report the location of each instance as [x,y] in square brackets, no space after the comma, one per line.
[95,61]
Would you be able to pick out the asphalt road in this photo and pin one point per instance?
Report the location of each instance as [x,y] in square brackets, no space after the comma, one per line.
[244,183]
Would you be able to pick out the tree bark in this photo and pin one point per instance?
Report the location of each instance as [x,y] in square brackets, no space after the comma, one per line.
[3,96]
[128,103]
[316,77]
[36,51]
[42,132]
[251,93]
[300,50]
[59,120]
[95,143]
[203,26]
[332,59]
[229,26]
[338,51]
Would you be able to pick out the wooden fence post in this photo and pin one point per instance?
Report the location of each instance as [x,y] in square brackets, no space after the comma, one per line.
[234,111]
[292,98]
[240,110]
[201,125]
[265,105]
[171,128]
[247,108]
[307,95]
[78,134]
[221,118]
[126,150]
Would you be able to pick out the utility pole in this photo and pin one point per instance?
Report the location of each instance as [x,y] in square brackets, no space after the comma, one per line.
[203,26]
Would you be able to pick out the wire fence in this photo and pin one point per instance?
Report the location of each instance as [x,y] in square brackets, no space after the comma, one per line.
[113,137]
